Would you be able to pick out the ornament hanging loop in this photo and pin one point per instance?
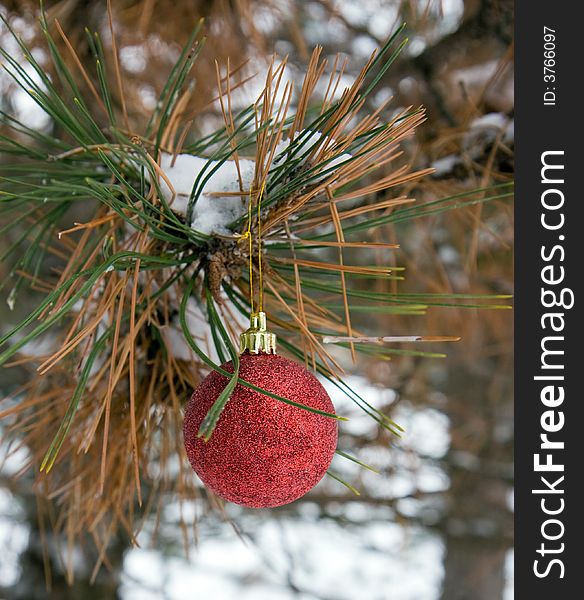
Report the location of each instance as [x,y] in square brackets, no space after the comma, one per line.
[247,235]
[257,339]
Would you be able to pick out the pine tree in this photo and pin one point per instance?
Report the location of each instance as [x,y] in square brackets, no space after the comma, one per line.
[150,290]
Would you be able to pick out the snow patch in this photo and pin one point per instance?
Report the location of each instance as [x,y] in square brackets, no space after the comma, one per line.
[445,165]
[220,188]
[484,131]
[212,211]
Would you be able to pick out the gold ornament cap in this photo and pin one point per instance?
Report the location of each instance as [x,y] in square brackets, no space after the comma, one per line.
[257,339]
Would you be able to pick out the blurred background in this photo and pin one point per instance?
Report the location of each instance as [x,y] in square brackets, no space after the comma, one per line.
[436,523]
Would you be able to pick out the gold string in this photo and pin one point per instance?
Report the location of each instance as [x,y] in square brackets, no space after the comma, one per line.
[247,235]
[260,270]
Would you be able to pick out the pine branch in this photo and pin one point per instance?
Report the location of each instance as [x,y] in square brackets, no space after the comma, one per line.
[145,295]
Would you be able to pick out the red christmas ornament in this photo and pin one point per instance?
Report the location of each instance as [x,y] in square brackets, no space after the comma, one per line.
[263,452]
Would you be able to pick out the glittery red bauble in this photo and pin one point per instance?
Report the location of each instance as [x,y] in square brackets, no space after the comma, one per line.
[263,452]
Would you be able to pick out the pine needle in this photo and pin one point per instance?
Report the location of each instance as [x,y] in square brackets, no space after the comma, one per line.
[130,278]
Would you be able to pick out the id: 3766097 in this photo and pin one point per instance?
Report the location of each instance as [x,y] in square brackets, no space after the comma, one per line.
[549,66]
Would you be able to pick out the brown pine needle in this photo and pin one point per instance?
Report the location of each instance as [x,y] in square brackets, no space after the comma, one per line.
[343,244]
[334,266]
[298,292]
[132,377]
[35,282]
[110,389]
[89,225]
[337,339]
[340,239]
[117,68]
[80,66]
[324,356]
[75,341]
